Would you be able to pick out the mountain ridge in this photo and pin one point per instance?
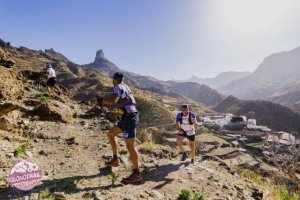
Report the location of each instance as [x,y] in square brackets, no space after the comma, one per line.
[278,74]
[221,79]
[148,82]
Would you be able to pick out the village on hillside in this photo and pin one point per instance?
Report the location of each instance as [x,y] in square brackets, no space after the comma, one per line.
[270,149]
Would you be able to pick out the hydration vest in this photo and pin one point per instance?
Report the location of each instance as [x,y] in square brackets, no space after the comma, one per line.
[126,99]
[190,118]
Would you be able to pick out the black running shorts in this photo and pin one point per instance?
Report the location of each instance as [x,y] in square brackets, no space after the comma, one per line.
[51,81]
[189,137]
[128,124]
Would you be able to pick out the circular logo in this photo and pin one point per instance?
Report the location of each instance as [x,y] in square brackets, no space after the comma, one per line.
[25,175]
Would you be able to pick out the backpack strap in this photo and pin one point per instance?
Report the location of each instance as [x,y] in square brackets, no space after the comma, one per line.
[181,114]
[190,118]
[129,97]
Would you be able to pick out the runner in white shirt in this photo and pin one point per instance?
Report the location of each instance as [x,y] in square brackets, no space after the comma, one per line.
[50,72]
[185,123]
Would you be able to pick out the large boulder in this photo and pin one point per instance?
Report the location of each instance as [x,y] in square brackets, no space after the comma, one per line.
[54,111]
[4,44]
[8,121]
[7,107]
[10,85]
[5,61]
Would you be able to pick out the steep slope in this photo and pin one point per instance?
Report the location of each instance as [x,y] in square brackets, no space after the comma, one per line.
[289,99]
[199,93]
[273,115]
[11,87]
[218,81]
[102,63]
[295,106]
[288,95]
[277,71]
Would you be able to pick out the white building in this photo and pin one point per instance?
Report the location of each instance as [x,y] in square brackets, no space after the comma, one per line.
[287,138]
[252,122]
[258,128]
[206,120]
[221,122]
[273,137]
[244,118]
[228,117]
[282,138]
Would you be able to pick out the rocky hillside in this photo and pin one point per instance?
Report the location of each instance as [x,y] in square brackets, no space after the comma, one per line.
[82,83]
[277,79]
[199,93]
[273,115]
[288,95]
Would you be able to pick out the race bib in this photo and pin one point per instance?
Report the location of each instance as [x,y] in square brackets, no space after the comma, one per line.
[190,132]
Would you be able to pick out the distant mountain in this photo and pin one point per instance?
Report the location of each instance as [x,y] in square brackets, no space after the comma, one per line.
[273,115]
[275,79]
[289,99]
[102,63]
[221,79]
[196,92]
[199,93]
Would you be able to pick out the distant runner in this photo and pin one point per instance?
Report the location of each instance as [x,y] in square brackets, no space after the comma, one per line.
[185,123]
[125,102]
[50,72]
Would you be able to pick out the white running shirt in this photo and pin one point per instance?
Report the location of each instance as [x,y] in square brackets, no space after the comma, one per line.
[50,73]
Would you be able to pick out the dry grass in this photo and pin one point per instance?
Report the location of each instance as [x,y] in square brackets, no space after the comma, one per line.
[148,147]
[278,192]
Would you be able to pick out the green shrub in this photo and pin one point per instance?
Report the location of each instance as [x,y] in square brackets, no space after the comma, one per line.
[36,118]
[46,195]
[148,147]
[252,176]
[42,97]
[24,79]
[113,177]
[22,149]
[281,193]
[185,194]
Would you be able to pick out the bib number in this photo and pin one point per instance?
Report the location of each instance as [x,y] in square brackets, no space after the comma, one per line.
[190,132]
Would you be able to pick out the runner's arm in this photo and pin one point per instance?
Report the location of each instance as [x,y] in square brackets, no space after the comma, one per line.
[177,124]
[194,120]
[111,100]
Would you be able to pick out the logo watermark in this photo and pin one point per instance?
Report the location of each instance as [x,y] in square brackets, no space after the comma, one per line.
[25,175]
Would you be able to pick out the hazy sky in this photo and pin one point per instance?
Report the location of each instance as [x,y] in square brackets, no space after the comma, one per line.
[167,39]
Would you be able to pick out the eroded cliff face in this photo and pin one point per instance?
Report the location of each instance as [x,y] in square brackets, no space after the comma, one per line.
[11,86]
